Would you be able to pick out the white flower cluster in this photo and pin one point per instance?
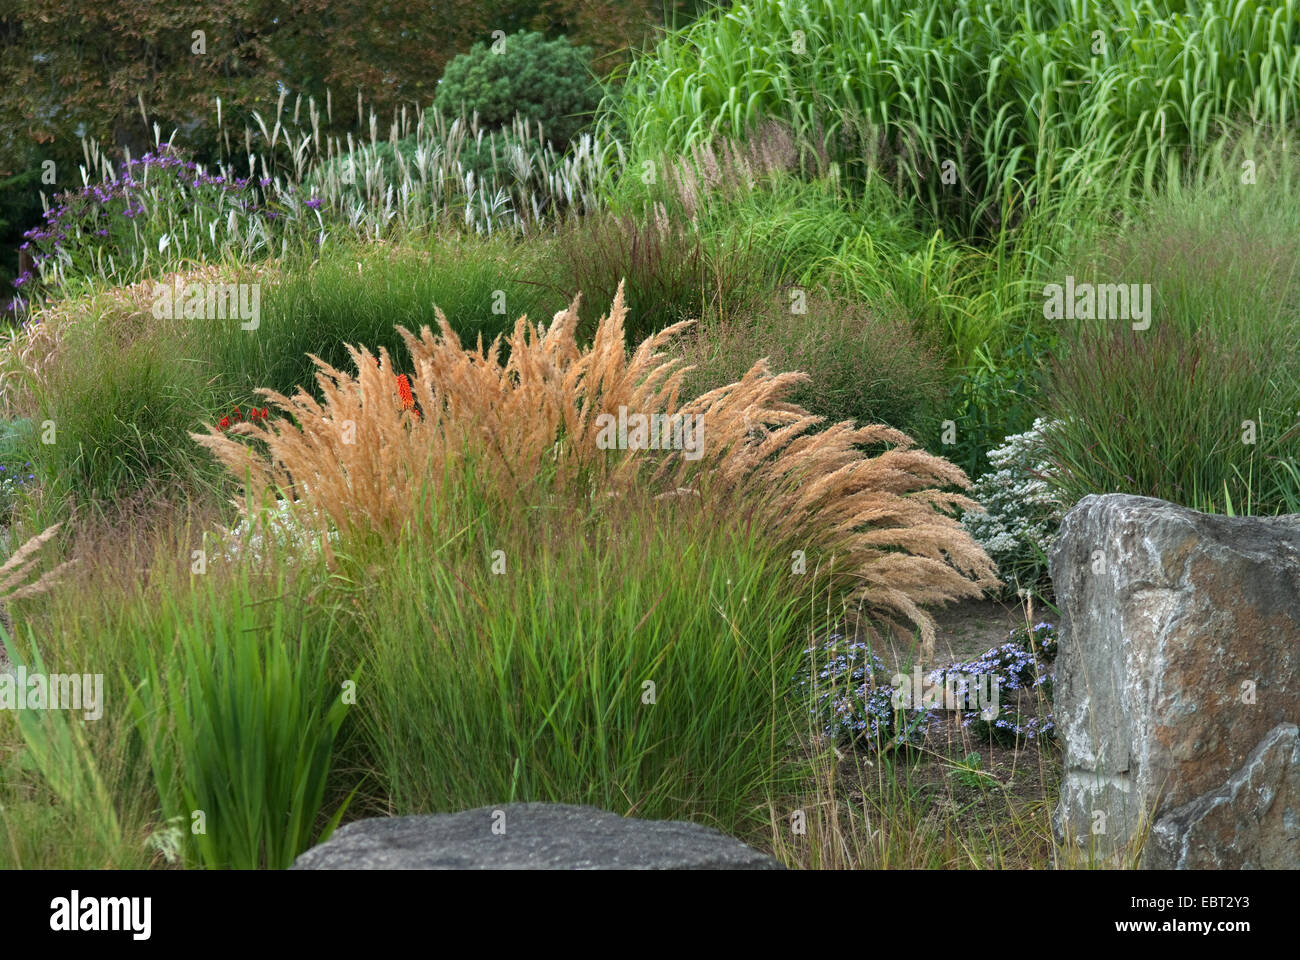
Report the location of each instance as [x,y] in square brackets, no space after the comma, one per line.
[1023,513]
[10,487]
[289,535]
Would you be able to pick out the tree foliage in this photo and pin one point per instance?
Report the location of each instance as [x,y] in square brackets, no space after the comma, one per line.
[68,71]
[545,81]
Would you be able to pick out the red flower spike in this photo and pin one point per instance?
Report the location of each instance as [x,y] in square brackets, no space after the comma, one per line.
[404,391]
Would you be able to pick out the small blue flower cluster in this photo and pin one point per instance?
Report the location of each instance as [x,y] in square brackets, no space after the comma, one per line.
[853,699]
[13,481]
[16,476]
[1020,664]
[1015,728]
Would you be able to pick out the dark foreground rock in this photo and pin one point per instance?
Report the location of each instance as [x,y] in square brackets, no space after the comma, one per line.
[530,836]
[1178,684]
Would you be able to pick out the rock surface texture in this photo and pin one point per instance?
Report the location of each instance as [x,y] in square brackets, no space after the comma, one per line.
[530,836]
[1177,688]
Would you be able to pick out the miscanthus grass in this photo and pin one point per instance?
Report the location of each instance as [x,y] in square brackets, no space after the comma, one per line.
[979,109]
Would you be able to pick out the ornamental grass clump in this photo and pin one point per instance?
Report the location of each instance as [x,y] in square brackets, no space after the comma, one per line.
[534,405]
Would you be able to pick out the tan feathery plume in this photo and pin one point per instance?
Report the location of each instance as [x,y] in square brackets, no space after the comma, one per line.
[358,459]
[19,567]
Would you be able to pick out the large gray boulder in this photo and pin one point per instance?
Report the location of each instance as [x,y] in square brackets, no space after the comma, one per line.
[530,836]
[1178,684]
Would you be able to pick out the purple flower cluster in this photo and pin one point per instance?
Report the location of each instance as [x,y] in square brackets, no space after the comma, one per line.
[89,205]
[853,699]
[850,692]
[1014,728]
[14,480]
[88,213]
[16,475]
[1022,664]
